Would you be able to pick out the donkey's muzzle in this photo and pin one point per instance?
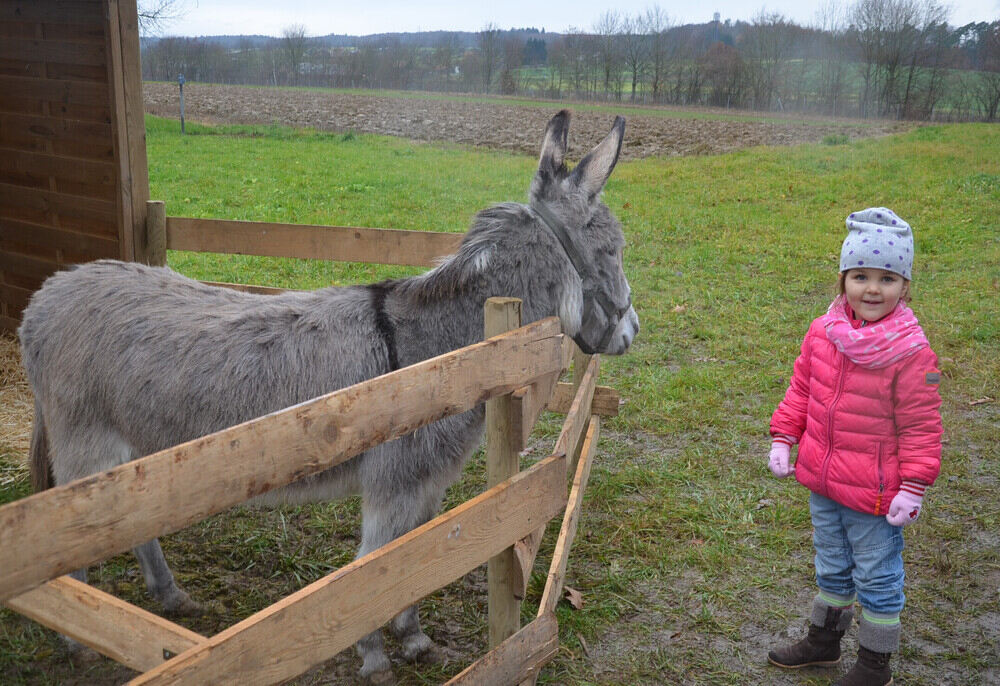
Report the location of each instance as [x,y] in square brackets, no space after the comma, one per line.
[600,321]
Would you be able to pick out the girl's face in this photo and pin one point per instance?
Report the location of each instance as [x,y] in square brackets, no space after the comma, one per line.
[873,293]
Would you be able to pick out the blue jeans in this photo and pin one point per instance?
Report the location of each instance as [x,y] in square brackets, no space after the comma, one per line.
[858,553]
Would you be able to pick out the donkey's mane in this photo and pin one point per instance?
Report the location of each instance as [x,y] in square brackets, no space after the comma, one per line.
[462,272]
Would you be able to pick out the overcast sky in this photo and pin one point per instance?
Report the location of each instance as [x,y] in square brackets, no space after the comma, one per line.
[322,17]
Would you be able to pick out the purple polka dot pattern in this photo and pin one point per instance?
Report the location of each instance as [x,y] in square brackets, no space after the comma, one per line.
[885,240]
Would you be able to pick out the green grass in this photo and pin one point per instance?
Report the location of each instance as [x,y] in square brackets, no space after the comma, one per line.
[691,559]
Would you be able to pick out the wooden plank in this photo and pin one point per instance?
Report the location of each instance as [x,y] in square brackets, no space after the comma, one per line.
[87,520]
[329,615]
[15,298]
[44,50]
[579,412]
[9,324]
[12,196]
[502,462]
[156,233]
[78,33]
[606,401]
[88,93]
[557,569]
[342,243]
[18,127]
[518,658]
[28,266]
[247,288]
[98,173]
[85,12]
[60,239]
[127,119]
[125,633]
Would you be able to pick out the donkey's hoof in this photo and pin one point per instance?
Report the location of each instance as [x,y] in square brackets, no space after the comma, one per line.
[79,654]
[416,646]
[381,678]
[432,655]
[376,669]
[180,604]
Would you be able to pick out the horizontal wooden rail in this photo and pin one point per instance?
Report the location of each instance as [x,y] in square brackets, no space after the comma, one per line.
[247,288]
[88,520]
[329,615]
[125,633]
[340,243]
[516,659]
[606,401]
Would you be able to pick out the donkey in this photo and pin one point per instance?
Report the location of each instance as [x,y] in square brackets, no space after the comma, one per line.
[125,359]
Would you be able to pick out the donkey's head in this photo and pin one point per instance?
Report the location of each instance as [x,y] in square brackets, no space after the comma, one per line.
[597,311]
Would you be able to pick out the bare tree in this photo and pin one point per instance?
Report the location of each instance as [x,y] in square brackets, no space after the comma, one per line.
[831,21]
[293,45]
[513,49]
[987,92]
[490,49]
[898,39]
[927,62]
[765,46]
[724,74]
[635,49]
[446,54]
[607,29]
[156,15]
[656,24]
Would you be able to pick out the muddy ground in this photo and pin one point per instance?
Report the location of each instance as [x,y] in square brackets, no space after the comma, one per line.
[512,127]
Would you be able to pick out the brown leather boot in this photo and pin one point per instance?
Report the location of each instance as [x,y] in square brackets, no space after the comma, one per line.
[820,647]
[871,669]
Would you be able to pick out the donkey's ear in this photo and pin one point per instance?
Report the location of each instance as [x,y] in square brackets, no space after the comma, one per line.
[551,161]
[594,169]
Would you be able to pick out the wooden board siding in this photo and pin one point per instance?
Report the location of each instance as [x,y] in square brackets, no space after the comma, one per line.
[73,177]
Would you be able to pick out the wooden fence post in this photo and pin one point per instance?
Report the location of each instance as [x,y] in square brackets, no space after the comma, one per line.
[156,233]
[500,315]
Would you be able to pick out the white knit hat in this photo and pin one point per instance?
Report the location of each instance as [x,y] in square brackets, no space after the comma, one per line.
[878,239]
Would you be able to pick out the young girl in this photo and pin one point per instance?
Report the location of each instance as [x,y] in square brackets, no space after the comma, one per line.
[863,406]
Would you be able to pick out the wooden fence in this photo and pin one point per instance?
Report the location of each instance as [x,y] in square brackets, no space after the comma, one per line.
[515,370]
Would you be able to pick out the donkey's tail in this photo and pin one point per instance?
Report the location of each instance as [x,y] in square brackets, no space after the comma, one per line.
[38,464]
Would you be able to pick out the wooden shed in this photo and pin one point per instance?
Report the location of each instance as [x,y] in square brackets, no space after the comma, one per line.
[73,175]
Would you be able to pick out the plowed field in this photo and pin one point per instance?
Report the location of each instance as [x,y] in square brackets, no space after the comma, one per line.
[493,124]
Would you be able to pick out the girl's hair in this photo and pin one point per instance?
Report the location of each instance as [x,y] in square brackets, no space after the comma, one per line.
[842,290]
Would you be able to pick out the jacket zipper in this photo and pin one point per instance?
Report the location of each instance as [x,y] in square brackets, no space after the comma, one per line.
[841,374]
[881,478]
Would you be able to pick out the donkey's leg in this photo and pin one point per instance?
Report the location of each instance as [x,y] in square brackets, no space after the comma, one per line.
[385,516]
[79,451]
[160,581]
[418,646]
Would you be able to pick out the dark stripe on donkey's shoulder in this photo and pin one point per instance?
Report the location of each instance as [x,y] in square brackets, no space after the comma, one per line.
[386,330]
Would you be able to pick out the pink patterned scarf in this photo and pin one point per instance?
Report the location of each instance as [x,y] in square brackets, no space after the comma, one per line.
[894,337]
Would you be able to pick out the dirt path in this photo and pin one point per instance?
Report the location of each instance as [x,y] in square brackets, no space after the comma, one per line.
[497,126]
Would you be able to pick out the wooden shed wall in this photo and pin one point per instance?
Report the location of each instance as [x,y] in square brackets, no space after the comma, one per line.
[73,176]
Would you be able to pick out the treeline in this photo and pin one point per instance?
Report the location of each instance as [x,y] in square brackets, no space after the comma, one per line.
[876,58]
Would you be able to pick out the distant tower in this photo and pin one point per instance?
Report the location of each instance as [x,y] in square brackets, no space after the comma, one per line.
[715,27]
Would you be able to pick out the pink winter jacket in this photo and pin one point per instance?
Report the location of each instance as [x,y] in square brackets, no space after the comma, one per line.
[861,431]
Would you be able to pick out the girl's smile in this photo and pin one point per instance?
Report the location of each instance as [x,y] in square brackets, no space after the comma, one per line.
[873,293]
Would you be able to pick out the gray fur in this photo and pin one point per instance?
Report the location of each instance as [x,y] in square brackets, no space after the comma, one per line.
[125,360]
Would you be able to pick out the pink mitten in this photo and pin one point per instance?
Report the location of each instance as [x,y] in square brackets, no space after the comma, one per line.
[778,460]
[905,507]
